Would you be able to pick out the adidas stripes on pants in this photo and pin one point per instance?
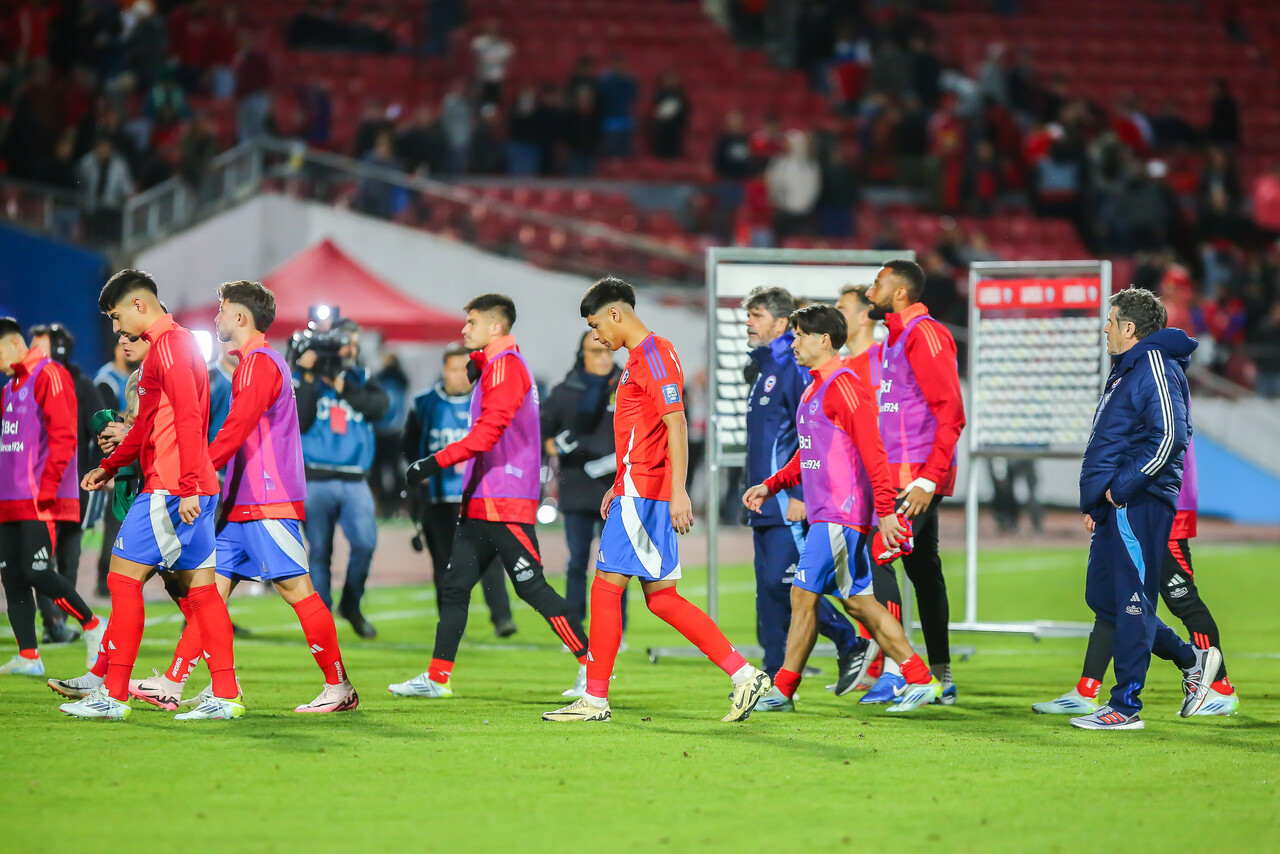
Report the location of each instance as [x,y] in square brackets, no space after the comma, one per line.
[26,562]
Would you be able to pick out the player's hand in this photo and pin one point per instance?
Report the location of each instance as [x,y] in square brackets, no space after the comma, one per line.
[605,502]
[915,498]
[753,498]
[1088,523]
[306,360]
[681,511]
[44,503]
[188,508]
[1112,500]
[795,510]
[892,530]
[421,471]
[94,480]
[111,436]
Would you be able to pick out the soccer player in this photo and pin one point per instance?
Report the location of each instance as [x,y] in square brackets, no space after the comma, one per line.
[841,458]
[38,493]
[921,417]
[170,523]
[645,508]
[500,493]
[260,536]
[778,528]
[1129,483]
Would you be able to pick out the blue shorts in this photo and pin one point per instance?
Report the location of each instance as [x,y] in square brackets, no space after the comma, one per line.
[638,539]
[261,550]
[152,534]
[836,561]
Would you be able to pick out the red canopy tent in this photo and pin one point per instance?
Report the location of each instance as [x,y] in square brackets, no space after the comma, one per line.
[325,275]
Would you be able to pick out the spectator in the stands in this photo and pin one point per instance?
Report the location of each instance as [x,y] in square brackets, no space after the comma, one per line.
[618,93]
[253,88]
[145,44]
[165,101]
[1024,85]
[1171,130]
[767,140]
[669,117]
[443,17]
[61,173]
[105,184]
[491,53]
[487,153]
[890,73]
[1131,126]
[582,76]
[456,120]
[924,70]
[221,44]
[199,145]
[421,145]
[188,27]
[373,121]
[993,74]
[34,125]
[732,156]
[376,197]
[1224,116]
[838,200]
[794,180]
[582,133]
[1142,213]
[524,143]
[947,148]
[550,124]
[317,112]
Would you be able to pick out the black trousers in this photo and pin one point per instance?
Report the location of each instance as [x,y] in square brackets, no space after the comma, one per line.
[475,545]
[66,554]
[1180,595]
[438,522]
[26,561]
[924,568]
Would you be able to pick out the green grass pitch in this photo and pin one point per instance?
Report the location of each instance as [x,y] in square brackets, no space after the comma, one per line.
[481,772]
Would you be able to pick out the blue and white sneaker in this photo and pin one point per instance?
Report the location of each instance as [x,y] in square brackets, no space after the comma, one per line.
[949,695]
[1214,704]
[885,690]
[1198,678]
[911,697]
[1108,718]
[1070,703]
[775,701]
[19,666]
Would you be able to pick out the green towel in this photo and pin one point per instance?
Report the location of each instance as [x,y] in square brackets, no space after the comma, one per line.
[127,478]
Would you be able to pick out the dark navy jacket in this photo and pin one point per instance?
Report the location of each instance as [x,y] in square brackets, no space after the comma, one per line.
[1141,427]
[771,423]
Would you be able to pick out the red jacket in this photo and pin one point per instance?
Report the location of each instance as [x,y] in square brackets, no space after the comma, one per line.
[55,393]
[932,353]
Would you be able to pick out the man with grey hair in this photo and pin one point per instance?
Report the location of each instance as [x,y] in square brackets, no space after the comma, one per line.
[778,529]
[1129,483]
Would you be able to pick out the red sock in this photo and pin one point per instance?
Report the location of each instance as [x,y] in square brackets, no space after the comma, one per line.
[787,681]
[1223,686]
[91,624]
[127,617]
[1087,687]
[322,637]
[29,653]
[99,668]
[876,668]
[209,613]
[915,671]
[606,635]
[699,629]
[440,671]
[862,631]
[189,650]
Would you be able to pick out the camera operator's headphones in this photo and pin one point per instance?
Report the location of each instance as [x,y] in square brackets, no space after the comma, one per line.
[61,343]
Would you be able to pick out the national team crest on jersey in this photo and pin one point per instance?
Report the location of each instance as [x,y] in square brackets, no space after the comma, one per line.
[770,383]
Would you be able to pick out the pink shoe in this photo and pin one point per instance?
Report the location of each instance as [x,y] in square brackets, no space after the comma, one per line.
[157,690]
[334,698]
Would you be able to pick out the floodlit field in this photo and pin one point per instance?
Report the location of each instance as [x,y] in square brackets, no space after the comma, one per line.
[482,772]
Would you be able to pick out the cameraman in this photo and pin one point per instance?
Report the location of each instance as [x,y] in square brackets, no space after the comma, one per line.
[337,408]
[577,427]
[440,416]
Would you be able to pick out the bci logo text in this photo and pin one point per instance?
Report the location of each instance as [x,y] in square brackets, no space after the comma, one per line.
[806,442]
[885,385]
[10,428]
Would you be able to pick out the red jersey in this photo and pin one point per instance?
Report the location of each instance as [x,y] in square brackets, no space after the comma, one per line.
[652,386]
[169,437]
[867,366]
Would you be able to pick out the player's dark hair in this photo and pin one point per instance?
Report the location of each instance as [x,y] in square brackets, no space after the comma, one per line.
[821,319]
[454,349]
[10,326]
[500,303]
[253,296]
[777,301]
[607,291]
[911,274]
[61,341]
[1142,308]
[122,284]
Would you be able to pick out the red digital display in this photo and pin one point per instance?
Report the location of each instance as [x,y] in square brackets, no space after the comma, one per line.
[1039,293]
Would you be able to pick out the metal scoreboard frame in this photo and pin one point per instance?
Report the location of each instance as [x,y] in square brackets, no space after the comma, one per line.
[1045,320]
[815,274]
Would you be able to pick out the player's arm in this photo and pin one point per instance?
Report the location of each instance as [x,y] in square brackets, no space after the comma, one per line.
[177,378]
[678,455]
[853,410]
[933,361]
[126,453]
[56,398]
[793,393]
[786,477]
[1160,433]
[254,387]
[662,380]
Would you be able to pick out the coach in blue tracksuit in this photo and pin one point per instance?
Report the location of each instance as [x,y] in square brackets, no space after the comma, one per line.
[778,529]
[1129,482]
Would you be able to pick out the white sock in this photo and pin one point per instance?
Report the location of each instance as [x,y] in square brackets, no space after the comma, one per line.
[743,674]
[942,672]
[891,666]
[597,702]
